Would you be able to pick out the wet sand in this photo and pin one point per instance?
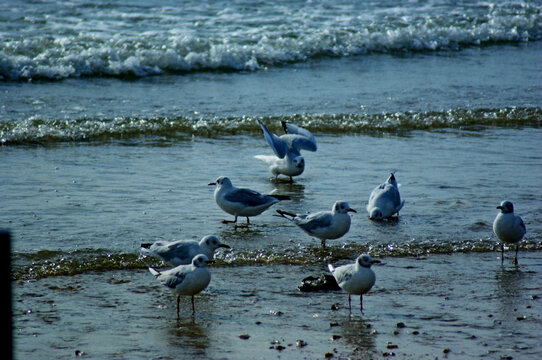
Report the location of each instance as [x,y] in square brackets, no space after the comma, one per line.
[440,306]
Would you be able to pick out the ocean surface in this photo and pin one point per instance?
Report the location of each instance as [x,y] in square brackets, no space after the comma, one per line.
[114,117]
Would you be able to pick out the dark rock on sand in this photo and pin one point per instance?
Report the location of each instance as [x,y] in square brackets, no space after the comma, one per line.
[325,282]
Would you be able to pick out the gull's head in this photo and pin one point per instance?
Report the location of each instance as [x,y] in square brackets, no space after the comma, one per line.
[201,260]
[506,207]
[342,207]
[366,261]
[299,162]
[222,181]
[376,214]
[212,242]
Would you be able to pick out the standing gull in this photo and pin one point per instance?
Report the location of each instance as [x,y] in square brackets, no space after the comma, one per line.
[181,252]
[186,279]
[355,279]
[242,202]
[288,160]
[509,228]
[385,200]
[323,224]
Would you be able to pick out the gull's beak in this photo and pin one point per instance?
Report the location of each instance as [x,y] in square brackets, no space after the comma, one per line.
[376,261]
[351,210]
[499,207]
[210,261]
[211,183]
[224,246]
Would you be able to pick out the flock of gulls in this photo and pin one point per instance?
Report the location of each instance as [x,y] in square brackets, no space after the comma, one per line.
[191,275]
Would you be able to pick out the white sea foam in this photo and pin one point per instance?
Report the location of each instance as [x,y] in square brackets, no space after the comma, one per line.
[135,41]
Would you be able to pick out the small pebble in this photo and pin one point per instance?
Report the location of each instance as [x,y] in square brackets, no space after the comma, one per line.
[391,346]
[415,332]
[523,317]
[244,336]
[388,354]
[446,350]
[300,343]
[335,337]
[328,355]
[400,325]
[79,353]
[395,332]
[334,306]
[534,297]
[333,324]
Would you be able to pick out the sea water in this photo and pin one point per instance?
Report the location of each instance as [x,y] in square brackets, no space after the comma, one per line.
[114,117]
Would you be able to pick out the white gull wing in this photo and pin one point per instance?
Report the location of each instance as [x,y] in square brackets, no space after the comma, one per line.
[184,279]
[386,197]
[312,223]
[177,252]
[249,197]
[309,142]
[298,138]
[278,145]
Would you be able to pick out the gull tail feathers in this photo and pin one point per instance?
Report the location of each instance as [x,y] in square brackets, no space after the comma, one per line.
[281,197]
[146,245]
[286,214]
[268,159]
[154,271]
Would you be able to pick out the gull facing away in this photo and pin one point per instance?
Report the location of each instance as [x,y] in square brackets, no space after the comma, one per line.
[186,279]
[509,228]
[288,160]
[385,200]
[240,201]
[355,279]
[181,252]
[323,224]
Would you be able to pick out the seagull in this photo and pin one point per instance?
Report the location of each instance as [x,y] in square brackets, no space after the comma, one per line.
[181,252]
[323,224]
[288,160]
[508,227]
[242,202]
[186,279]
[385,200]
[356,279]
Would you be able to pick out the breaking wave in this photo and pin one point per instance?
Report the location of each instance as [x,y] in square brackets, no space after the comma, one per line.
[36,130]
[48,263]
[115,40]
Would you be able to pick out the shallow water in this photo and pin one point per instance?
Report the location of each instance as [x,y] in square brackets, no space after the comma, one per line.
[114,117]
[79,217]
[466,303]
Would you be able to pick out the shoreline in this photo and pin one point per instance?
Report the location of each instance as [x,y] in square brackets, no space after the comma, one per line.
[456,306]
